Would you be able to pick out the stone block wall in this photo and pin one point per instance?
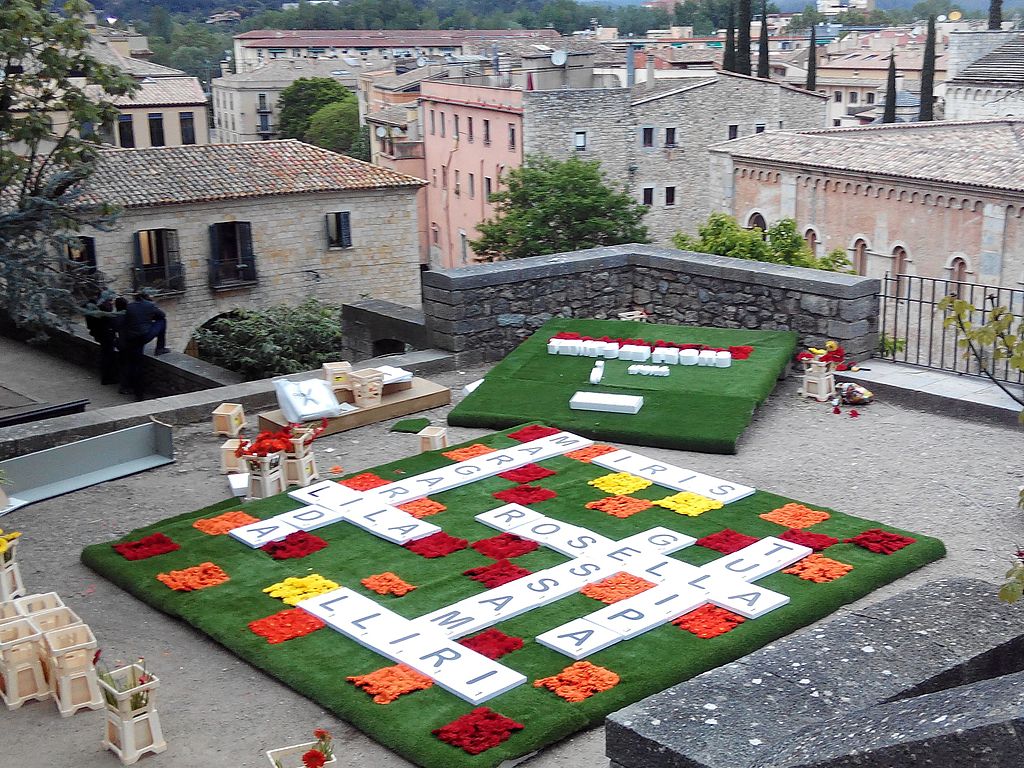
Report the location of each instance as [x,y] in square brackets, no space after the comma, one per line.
[293,261]
[482,313]
[368,326]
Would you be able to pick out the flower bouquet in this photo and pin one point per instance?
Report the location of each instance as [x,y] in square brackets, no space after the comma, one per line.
[830,359]
[126,690]
[314,754]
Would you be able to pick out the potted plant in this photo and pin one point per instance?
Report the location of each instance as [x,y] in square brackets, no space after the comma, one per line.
[133,724]
[312,754]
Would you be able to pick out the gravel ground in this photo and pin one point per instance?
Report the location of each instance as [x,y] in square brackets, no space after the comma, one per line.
[949,478]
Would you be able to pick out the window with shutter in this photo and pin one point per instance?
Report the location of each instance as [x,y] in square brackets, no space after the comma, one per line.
[339,229]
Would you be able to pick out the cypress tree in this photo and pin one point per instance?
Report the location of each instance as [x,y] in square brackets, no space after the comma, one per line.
[995,14]
[812,64]
[889,116]
[743,38]
[762,44]
[729,60]
[928,75]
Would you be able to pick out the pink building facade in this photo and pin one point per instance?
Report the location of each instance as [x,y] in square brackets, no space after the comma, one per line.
[472,135]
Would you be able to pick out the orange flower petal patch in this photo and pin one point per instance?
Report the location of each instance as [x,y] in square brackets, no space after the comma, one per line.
[388,683]
[388,583]
[795,516]
[579,681]
[197,577]
[364,482]
[422,507]
[221,524]
[620,506]
[591,452]
[469,452]
[708,621]
[616,587]
[819,569]
[286,625]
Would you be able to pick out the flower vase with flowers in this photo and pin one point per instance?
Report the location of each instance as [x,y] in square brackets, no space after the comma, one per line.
[265,453]
[133,724]
[315,754]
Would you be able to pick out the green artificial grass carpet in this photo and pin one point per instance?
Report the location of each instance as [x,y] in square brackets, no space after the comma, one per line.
[318,664]
[694,408]
[410,425]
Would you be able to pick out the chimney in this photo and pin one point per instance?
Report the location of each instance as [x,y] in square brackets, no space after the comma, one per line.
[650,70]
[630,66]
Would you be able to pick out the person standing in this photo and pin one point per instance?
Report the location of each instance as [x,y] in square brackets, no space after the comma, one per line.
[143,321]
[102,321]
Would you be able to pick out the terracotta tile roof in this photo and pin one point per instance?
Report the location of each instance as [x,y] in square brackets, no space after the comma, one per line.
[138,68]
[397,116]
[981,153]
[1003,67]
[141,178]
[284,72]
[392,38]
[164,92]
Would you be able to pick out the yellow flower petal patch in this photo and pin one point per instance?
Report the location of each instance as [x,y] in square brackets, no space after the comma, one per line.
[620,483]
[294,590]
[690,504]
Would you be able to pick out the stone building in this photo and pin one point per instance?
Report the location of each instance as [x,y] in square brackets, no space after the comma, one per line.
[245,104]
[651,140]
[164,112]
[987,75]
[940,199]
[222,226]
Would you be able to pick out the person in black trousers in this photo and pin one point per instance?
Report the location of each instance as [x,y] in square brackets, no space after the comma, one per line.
[102,321]
[143,321]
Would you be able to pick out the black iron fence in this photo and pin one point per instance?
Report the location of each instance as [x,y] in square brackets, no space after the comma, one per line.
[912,329]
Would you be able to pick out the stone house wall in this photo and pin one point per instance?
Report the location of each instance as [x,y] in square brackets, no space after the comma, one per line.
[293,261]
[482,313]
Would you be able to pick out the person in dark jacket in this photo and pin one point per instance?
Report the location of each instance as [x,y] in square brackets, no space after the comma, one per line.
[102,322]
[143,321]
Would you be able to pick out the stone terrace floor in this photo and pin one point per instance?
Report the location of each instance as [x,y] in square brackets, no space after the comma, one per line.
[951,478]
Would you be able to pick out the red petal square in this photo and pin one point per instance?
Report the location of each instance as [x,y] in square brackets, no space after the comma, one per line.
[496,574]
[364,482]
[533,432]
[148,546]
[286,625]
[527,474]
[492,643]
[478,731]
[525,494]
[436,545]
[881,542]
[816,541]
[504,546]
[298,544]
[726,541]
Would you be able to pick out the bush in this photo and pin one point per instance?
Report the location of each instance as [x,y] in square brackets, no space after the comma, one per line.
[271,342]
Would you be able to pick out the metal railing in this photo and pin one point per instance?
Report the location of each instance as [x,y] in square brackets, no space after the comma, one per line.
[912,329]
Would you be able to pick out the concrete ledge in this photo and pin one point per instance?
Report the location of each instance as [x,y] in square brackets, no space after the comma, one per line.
[182,409]
[535,267]
[949,632]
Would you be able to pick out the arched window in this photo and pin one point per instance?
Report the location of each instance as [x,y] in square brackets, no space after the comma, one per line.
[899,269]
[811,238]
[860,257]
[958,270]
[757,220]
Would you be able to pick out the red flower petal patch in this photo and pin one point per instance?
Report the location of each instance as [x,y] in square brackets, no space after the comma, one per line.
[533,432]
[816,541]
[496,574]
[726,541]
[364,482]
[525,494]
[492,643]
[298,544]
[436,545]
[286,625]
[881,542]
[527,474]
[148,546]
[504,546]
[478,731]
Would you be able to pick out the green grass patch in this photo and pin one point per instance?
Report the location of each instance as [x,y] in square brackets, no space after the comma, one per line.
[317,665]
[410,425]
[694,408]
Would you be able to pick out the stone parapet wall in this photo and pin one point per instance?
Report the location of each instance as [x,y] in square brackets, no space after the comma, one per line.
[482,313]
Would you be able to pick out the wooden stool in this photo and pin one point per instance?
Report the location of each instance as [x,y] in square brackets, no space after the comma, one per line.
[21,669]
[229,462]
[433,438]
[72,674]
[367,387]
[228,419]
[819,381]
[301,471]
[11,585]
[133,724]
[336,374]
[30,604]
[266,475]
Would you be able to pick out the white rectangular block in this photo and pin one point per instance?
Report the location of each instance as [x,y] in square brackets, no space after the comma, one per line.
[509,516]
[609,350]
[757,560]
[312,517]
[255,535]
[671,476]
[706,357]
[461,671]
[553,346]
[688,356]
[578,638]
[326,493]
[598,401]
[723,359]
[642,613]
[456,620]
[659,540]
[390,523]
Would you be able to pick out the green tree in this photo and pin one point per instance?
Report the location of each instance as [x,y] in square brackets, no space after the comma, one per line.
[729,58]
[273,341]
[889,114]
[812,64]
[160,23]
[335,127]
[762,44]
[721,234]
[808,18]
[550,206]
[926,112]
[50,118]
[745,14]
[995,14]
[303,98]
